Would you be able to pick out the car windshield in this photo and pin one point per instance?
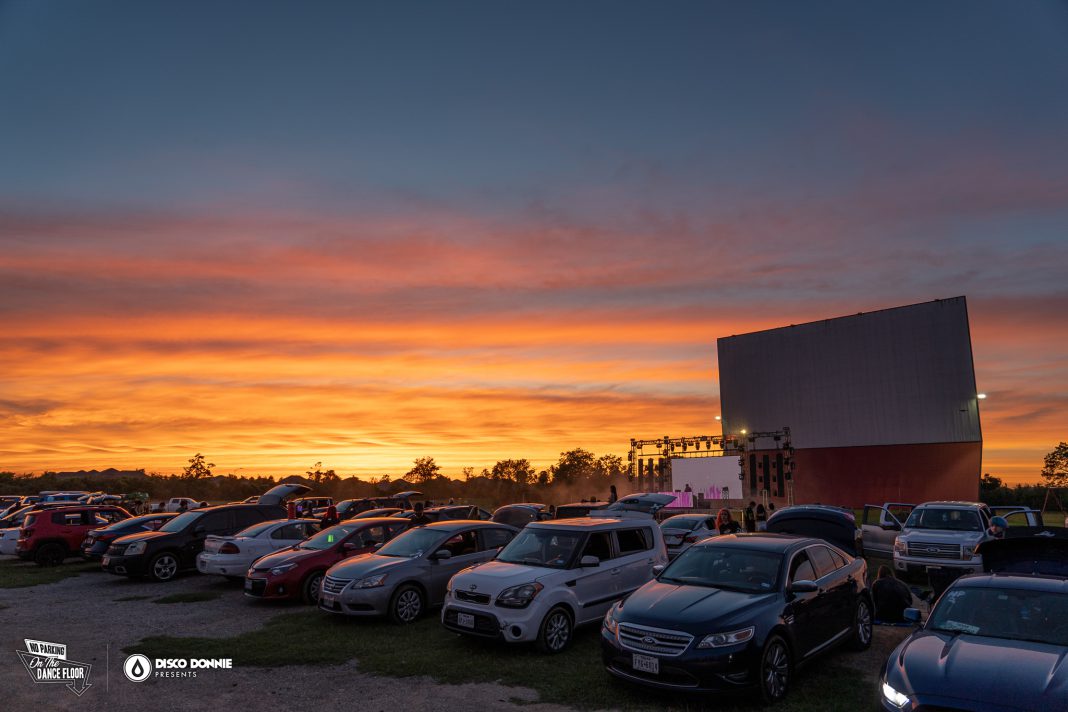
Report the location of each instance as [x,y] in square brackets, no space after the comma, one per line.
[181,522]
[730,568]
[256,529]
[328,537]
[687,523]
[961,520]
[1013,614]
[412,543]
[125,524]
[552,548]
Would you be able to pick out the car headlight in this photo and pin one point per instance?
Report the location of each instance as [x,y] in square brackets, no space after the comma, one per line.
[611,621]
[370,582]
[897,699]
[519,596]
[968,551]
[899,547]
[138,547]
[279,570]
[722,640]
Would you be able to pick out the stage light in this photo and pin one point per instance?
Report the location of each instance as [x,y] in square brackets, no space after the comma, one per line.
[981,396]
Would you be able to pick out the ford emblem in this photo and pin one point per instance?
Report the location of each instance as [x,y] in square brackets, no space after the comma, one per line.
[649,640]
[473,587]
[932,550]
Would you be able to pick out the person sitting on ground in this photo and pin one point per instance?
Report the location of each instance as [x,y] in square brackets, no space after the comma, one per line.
[749,517]
[420,517]
[725,523]
[891,597]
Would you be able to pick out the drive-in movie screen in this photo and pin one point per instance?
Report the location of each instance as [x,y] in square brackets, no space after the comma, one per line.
[534,356]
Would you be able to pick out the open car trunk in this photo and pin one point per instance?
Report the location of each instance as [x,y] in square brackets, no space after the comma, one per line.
[1028,550]
[278,493]
[833,527]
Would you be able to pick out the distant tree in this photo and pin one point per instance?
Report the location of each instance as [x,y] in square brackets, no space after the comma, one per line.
[543,478]
[1055,471]
[989,483]
[197,469]
[519,471]
[320,476]
[610,467]
[468,473]
[425,469]
[575,466]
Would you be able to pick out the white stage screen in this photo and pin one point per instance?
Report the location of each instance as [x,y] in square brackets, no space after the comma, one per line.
[707,476]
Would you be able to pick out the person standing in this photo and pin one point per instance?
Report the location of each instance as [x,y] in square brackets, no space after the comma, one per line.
[761,518]
[420,518]
[749,518]
[330,518]
[725,523]
[891,597]
[612,495]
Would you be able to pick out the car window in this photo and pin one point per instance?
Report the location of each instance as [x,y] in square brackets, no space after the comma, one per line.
[67,519]
[375,535]
[462,544]
[246,517]
[493,538]
[839,560]
[598,545]
[801,569]
[290,532]
[395,529]
[215,522]
[257,529]
[821,560]
[631,541]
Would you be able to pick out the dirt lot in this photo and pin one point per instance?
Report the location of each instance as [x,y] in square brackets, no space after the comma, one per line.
[96,615]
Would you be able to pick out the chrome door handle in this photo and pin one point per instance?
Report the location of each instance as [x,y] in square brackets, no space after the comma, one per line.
[615,572]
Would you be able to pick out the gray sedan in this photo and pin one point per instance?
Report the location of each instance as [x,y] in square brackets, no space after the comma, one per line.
[410,573]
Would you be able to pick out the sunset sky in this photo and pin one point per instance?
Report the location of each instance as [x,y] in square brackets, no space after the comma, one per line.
[361,233]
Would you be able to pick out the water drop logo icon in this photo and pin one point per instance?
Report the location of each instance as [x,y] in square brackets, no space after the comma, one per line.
[137,668]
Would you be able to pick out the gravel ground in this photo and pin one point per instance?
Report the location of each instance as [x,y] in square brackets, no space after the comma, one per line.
[82,613]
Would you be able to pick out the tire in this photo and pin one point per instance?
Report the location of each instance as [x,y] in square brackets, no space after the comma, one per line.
[776,670]
[309,590]
[163,567]
[50,554]
[406,605]
[556,631]
[862,625]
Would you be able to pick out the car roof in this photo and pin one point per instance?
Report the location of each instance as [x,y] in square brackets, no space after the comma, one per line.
[691,515]
[452,524]
[589,523]
[239,505]
[764,541]
[1031,582]
[951,503]
[364,521]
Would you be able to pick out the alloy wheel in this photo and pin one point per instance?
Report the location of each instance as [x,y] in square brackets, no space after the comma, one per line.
[165,567]
[776,670]
[557,631]
[409,605]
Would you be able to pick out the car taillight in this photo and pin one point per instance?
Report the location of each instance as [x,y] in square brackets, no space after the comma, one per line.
[691,539]
[229,548]
[25,533]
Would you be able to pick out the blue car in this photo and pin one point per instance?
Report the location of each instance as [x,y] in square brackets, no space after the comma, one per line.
[996,641]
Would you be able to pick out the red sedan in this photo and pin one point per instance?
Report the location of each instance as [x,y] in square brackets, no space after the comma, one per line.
[297,573]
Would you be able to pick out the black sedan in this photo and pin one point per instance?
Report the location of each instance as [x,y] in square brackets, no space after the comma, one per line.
[738,612]
[996,641]
[98,540]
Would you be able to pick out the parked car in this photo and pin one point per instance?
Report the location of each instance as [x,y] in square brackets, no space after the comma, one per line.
[231,556]
[383,512]
[995,641]
[409,574]
[520,514]
[174,504]
[49,536]
[558,574]
[683,530]
[297,573]
[941,538]
[880,525]
[577,509]
[455,511]
[832,524]
[97,541]
[163,554]
[738,612]
[61,496]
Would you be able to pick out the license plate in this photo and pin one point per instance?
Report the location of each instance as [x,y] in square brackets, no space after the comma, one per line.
[248,584]
[465,620]
[106,560]
[646,663]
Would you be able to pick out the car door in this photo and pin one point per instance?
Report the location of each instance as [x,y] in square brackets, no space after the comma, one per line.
[287,535]
[837,587]
[803,613]
[492,539]
[596,587]
[219,523]
[463,547]
[880,526]
[635,548]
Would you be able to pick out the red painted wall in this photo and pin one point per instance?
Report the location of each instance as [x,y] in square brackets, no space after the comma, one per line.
[855,476]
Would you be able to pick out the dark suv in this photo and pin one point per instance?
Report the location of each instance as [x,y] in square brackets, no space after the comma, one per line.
[162,554]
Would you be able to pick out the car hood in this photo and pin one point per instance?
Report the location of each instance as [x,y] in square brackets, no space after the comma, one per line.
[1043,551]
[693,608]
[290,555]
[493,577]
[142,536]
[1008,673]
[940,536]
[366,565]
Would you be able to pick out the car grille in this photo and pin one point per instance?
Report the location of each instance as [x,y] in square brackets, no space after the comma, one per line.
[931,550]
[259,587]
[653,640]
[333,585]
[469,597]
[116,549]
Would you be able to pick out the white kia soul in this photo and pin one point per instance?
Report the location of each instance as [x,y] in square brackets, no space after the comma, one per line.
[557,574]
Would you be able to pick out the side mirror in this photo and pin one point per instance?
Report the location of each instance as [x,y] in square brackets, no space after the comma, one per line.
[199,530]
[912,615]
[658,569]
[441,555]
[589,561]
[349,546]
[804,586]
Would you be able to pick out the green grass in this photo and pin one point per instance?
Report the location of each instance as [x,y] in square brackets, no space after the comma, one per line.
[131,598]
[574,678]
[191,597]
[20,574]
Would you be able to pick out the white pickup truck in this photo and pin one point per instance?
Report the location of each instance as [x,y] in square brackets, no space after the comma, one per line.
[934,535]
